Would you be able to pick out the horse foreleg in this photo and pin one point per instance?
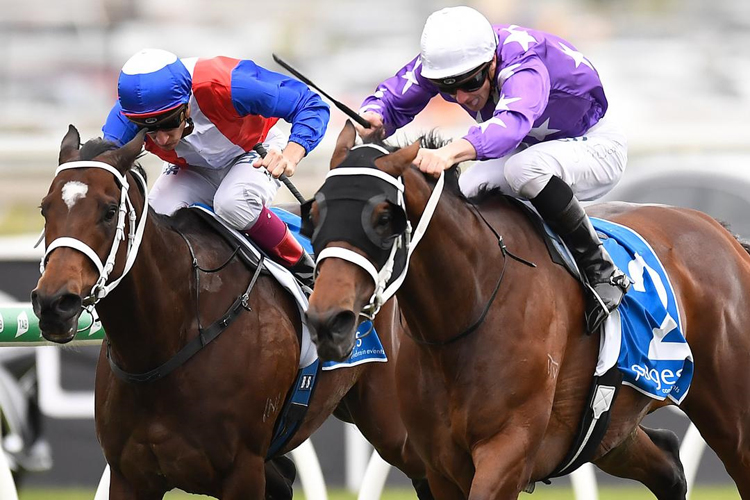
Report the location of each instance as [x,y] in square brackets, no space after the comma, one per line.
[247,481]
[502,467]
[122,489]
[442,488]
[650,456]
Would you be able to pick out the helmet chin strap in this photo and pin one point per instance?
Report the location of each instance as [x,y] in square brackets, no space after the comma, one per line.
[135,234]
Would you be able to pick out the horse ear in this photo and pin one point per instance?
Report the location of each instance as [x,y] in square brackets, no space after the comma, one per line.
[395,163]
[344,143]
[124,157]
[70,145]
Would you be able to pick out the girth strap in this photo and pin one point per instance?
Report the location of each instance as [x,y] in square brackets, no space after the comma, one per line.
[295,408]
[594,423]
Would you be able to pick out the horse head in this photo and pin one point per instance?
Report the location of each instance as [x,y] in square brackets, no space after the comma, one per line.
[84,212]
[358,219]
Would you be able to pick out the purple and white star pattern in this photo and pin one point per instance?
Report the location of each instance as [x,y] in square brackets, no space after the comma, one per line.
[546,90]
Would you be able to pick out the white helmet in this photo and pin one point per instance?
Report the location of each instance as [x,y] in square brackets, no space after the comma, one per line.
[455,41]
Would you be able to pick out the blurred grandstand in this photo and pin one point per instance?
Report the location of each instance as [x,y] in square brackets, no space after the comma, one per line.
[676,73]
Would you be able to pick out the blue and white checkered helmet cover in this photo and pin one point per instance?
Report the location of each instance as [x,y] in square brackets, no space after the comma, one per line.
[152,82]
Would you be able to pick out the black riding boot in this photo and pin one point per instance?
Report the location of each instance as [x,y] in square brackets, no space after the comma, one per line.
[605,282]
[304,269]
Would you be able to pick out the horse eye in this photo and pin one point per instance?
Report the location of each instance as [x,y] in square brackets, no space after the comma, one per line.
[384,218]
[111,212]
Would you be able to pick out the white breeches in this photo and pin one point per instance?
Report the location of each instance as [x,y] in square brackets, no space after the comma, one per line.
[591,165]
[237,193]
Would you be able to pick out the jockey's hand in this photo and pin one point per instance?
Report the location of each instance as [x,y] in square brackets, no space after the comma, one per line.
[278,163]
[434,161]
[376,132]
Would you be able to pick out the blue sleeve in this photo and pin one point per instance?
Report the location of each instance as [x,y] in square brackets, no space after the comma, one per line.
[117,128]
[258,91]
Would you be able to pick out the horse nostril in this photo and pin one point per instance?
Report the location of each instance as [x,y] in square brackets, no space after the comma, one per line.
[342,323]
[68,304]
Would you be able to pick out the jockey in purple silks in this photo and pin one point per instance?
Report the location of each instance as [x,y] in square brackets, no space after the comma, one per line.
[203,118]
[541,131]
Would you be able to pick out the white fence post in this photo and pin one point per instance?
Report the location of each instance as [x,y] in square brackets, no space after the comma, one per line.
[357,452]
[7,485]
[102,491]
[375,477]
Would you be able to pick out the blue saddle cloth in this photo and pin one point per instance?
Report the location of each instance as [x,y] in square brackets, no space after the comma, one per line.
[654,355]
[367,348]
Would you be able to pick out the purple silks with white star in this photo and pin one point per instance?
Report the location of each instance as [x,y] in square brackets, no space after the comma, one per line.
[545,90]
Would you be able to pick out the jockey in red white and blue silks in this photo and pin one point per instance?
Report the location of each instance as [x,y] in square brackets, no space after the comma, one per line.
[203,118]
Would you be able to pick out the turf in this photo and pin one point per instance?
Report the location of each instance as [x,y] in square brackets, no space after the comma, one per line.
[636,493]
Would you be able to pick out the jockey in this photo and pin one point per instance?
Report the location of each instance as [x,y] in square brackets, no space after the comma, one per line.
[203,117]
[542,134]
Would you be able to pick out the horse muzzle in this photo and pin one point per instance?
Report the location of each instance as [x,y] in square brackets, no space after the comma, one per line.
[58,314]
[333,333]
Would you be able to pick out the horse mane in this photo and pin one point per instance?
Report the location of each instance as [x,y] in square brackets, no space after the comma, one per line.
[742,241]
[431,140]
[97,146]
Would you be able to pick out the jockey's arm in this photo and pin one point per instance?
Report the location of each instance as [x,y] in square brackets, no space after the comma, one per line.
[434,161]
[397,100]
[258,91]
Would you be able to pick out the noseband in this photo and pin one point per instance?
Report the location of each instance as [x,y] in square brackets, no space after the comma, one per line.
[380,187]
[135,235]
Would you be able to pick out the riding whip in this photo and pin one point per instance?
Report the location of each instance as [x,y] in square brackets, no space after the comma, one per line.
[343,107]
[258,148]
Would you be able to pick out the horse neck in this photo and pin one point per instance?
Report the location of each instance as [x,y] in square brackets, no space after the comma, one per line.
[139,315]
[457,259]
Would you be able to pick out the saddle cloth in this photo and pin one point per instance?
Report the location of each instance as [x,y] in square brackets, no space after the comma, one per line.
[367,348]
[645,333]
[644,336]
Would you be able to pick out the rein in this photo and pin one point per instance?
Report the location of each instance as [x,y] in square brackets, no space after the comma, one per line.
[205,336]
[135,237]
[409,241]
[506,253]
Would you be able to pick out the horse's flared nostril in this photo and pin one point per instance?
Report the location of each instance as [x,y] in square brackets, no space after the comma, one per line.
[342,323]
[331,326]
[61,305]
[68,304]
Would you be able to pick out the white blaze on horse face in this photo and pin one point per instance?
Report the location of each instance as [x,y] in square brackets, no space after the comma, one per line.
[72,192]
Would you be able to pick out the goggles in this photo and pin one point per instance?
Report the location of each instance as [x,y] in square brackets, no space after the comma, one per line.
[166,121]
[468,82]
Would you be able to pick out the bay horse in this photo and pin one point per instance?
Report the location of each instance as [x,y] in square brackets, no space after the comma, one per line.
[494,407]
[206,427]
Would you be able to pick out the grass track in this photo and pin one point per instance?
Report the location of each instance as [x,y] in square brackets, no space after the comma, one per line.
[542,493]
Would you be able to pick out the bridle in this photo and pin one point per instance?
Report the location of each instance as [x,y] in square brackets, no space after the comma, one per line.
[135,234]
[385,285]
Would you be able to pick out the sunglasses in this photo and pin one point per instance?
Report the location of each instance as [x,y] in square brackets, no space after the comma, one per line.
[168,122]
[470,83]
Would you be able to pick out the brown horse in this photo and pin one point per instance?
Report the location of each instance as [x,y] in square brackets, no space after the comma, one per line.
[496,408]
[206,427]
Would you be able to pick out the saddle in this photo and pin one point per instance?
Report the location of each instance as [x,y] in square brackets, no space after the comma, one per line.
[251,260]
